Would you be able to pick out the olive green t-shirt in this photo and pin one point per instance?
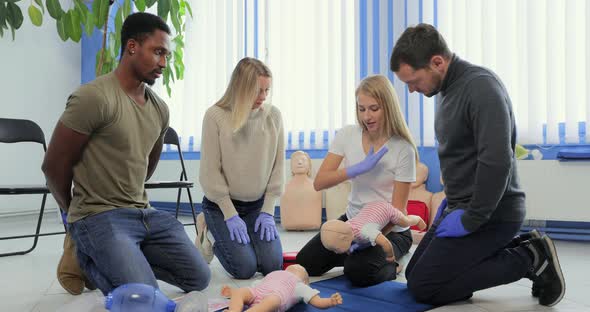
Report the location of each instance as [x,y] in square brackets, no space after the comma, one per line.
[113,165]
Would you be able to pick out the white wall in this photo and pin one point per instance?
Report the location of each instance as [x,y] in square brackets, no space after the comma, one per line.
[39,71]
[555,190]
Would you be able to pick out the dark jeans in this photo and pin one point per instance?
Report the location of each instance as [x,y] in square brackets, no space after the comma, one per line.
[363,268]
[130,245]
[242,260]
[445,270]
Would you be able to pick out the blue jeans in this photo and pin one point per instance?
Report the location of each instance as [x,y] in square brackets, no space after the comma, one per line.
[444,270]
[130,245]
[242,260]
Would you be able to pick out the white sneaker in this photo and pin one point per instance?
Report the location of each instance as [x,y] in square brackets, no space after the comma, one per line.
[202,241]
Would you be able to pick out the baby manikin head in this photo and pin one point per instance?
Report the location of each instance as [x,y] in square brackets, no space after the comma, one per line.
[299,271]
[336,236]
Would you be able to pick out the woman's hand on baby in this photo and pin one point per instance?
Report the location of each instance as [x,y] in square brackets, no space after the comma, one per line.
[336,299]
[358,246]
[388,248]
[416,220]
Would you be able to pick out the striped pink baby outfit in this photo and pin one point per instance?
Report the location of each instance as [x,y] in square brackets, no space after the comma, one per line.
[378,212]
[280,283]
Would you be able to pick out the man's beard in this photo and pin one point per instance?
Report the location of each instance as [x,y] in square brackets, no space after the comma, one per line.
[433,93]
[150,82]
[436,89]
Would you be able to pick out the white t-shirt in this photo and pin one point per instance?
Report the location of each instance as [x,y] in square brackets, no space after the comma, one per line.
[398,164]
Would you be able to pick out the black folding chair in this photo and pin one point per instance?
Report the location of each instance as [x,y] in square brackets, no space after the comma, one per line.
[183,182]
[19,131]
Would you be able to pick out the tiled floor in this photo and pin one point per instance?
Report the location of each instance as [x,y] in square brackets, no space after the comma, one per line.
[28,283]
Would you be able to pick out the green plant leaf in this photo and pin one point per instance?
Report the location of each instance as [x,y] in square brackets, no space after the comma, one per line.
[163,9]
[126,8]
[117,32]
[40,4]
[111,46]
[167,74]
[35,15]
[89,24]
[2,18]
[100,10]
[149,3]
[54,9]
[82,10]
[140,5]
[12,31]
[174,16]
[179,69]
[61,29]
[188,7]
[14,16]
[178,41]
[72,25]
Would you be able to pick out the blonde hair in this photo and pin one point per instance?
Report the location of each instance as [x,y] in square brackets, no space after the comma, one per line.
[380,88]
[243,89]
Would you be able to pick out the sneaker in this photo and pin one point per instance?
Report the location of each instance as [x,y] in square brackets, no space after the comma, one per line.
[202,241]
[546,271]
[517,241]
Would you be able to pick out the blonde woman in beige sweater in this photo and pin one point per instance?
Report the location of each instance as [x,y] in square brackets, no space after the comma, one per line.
[241,173]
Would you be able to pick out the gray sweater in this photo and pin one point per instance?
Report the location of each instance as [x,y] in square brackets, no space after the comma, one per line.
[476,131]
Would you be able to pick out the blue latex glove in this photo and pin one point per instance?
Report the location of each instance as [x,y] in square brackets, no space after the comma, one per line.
[451,225]
[237,229]
[267,226]
[366,164]
[358,246]
[440,210]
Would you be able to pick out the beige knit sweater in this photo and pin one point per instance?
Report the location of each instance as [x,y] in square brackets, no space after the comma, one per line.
[243,165]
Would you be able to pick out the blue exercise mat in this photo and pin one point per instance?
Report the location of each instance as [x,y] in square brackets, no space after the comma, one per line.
[387,296]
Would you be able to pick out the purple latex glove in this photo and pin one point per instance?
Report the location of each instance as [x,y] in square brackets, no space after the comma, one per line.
[441,208]
[267,226]
[237,229]
[64,217]
[366,164]
[358,246]
[451,225]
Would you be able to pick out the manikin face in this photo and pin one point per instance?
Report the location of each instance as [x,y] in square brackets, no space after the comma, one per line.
[370,113]
[427,81]
[264,83]
[149,57]
[299,163]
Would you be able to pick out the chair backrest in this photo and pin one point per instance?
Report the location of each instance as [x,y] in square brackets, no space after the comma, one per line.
[171,137]
[20,130]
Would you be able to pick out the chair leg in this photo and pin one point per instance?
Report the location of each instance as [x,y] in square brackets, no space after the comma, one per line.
[36,236]
[190,200]
[178,202]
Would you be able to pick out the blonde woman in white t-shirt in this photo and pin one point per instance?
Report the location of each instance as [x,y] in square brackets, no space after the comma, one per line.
[380,160]
[241,172]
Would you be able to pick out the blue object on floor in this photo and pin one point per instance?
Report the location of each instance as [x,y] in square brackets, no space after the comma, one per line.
[574,154]
[387,296]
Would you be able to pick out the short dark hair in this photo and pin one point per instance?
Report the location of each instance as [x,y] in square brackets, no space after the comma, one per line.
[139,25]
[417,45]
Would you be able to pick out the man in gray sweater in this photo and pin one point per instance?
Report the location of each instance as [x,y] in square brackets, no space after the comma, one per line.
[471,244]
